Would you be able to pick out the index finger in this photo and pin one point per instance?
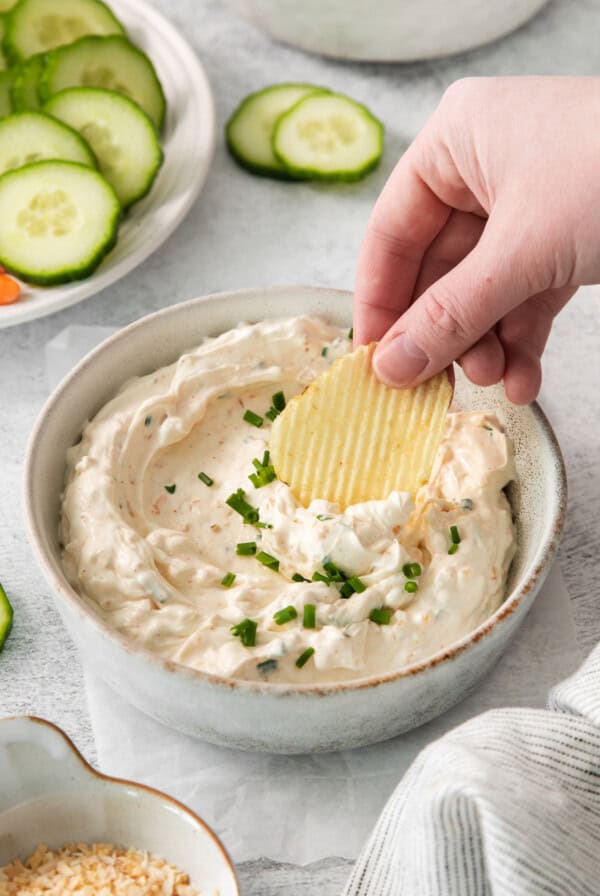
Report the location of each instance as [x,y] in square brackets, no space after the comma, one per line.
[404,222]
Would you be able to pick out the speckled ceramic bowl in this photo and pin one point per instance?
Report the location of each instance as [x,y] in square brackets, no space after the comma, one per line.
[49,794]
[257,715]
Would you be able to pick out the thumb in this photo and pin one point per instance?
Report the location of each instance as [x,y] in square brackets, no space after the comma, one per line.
[453,314]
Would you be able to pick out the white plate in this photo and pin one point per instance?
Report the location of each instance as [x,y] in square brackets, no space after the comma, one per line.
[189,137]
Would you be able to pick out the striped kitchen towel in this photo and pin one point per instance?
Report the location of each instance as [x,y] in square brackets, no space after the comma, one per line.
[508,803]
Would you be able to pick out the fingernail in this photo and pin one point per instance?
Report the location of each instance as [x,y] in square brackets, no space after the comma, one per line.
[399,361]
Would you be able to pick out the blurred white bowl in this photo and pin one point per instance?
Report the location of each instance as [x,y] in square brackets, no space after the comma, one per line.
[387,30]
[49,794]
[258,715]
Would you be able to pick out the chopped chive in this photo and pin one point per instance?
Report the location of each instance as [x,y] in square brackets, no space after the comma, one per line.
[205,478]
[411,587]
[268,561]
[285,615]
[260,525]
[170,489]
[489,428]
[466,504]
[278,401]
[254,419]
[357,584]
[266,667]
[319,577]
[148,420]
[245,548]
[237,501]
[265,472]
[412,570]
[351,333]
[322,517]
[324,351]
[454,535]
[380,616]
[228,580]
[334,573]
[272,413]
[309,616]
[266,459]
[304,657]
[245,631]
[453,549]
[298,578]
[346,590]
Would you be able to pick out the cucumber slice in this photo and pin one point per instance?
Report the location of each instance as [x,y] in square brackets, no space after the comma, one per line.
[6,617]
[110,62]
[36,26]
[328,137]
[57,221]
[121,135]
[5,85]
[24,90]
[249,130]
[27,137]
[3,59]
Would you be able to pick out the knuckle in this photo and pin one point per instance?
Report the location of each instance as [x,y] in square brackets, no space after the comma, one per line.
[445,318]
[460,91]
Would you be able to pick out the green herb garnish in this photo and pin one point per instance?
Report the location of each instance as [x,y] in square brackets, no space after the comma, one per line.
[254,419]
[285,615]
[228,580]
[322,517]
[381,616]
[351,333]
[319,577]
[237,501]
[453,549]
[148,420]
[267,560]
[304,657]
[324,351]
[278,401]
[271,414]
[170,489]
[309,616]
[298,578]
[411,587]
[265,471]
[245,631]
[454,535]
[246,548]
[266,667]
[412,570]
[205,478]
[466,504]
[351,586]
[335,574]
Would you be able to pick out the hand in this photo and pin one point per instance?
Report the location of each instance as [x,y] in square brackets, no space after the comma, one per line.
[483,232]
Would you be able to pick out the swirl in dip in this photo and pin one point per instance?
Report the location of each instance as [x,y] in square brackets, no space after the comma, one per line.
[150,545]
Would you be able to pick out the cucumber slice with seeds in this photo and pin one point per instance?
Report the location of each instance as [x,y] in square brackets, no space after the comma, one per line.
[328,137]
[36,26]
[57,221]
[5,86]
[6,617]
[24,89]
[112,63]
[27,137]
[250,128]
[121,135]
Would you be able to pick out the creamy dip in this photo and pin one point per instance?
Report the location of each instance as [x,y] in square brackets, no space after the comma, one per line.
[149,544]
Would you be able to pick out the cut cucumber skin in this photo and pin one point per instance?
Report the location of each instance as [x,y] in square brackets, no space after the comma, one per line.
[24,88]
[21,9]
[343,176]
[55,58]
[6,617]
[90,264]
[46,123]
[5,99]
[281,173]
[87,95]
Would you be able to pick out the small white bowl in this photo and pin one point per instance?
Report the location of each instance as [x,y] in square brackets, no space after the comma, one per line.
[280,718]
[387,30]
[49,794]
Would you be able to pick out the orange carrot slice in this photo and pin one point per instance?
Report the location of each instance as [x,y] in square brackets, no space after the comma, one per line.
[9,290]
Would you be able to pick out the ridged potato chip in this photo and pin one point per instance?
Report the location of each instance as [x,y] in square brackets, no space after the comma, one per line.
[348,438]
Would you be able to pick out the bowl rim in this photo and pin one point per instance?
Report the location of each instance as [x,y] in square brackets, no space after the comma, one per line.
[135,785]
[62,588]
